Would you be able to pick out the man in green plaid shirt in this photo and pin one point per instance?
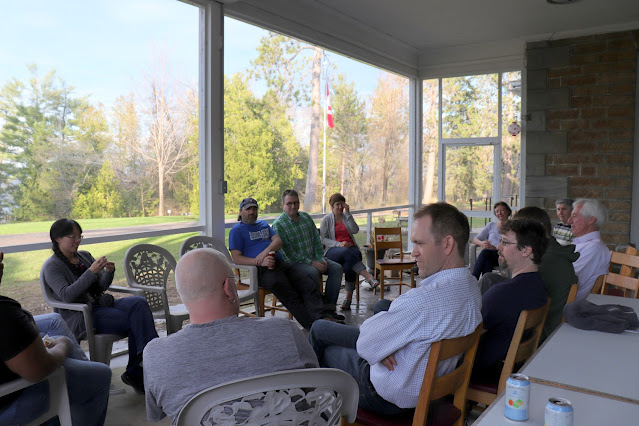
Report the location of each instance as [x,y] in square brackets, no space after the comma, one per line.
[303,249]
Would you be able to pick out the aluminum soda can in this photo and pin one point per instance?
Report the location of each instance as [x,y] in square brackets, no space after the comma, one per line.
[272,254]
[517,397]
[559,412]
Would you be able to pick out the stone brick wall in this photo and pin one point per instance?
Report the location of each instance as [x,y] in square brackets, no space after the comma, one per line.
[579,141]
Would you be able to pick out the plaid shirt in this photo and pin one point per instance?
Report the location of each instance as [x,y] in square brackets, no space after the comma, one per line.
[563,233]
[301,240]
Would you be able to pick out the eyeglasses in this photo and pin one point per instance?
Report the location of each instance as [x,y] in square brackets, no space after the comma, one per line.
[74,237]
[505,243]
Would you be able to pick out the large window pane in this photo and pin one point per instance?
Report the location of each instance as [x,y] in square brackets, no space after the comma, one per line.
[470,106]
[511,145]
[469,176]
[430,140]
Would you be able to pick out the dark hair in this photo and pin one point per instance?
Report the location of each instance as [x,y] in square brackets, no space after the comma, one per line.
[336,198]
[446,220]
[59,229]
[530,233]
[538,214]
[504,205]
[291,192]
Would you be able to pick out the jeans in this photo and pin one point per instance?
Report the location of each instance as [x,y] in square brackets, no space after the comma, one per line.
[295,289]
[133,317]
[486,260]
[333,282]
[336,347]
[351,260]
[87,384]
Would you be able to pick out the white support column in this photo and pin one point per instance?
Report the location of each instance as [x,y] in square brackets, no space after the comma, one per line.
[212,185]
[415,149]
[634,214]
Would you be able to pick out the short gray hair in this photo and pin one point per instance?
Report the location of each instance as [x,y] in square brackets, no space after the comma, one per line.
[566,201]
[592,208]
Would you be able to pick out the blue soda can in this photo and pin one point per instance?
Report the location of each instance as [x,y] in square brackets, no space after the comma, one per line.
[517,397]
[559,412]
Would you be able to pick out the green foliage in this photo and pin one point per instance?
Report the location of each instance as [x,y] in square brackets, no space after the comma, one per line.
[103,199]
[260,149]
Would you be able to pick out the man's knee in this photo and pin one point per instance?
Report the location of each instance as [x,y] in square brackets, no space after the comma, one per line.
[382,305]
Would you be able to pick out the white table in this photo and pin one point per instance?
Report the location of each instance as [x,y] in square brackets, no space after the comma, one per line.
[590,410]
[592,361]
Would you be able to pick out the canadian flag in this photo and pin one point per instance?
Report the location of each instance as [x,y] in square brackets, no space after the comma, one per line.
[329,110]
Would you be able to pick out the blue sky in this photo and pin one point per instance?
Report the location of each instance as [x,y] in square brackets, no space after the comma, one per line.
[104,48]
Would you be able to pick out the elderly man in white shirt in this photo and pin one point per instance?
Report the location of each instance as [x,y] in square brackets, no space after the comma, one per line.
[388,354]
[586,219]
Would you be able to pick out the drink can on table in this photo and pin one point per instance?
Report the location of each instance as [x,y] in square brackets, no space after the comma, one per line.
[517,397]
[559,412]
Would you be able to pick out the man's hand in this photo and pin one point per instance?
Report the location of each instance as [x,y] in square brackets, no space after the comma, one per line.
[268,262]
[389,362]
[320,266]
[260,259]
[61,344]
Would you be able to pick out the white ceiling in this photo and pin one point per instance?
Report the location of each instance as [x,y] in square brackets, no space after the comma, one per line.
[435,37]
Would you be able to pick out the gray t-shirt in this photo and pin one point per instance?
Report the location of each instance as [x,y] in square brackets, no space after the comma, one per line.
[201,356]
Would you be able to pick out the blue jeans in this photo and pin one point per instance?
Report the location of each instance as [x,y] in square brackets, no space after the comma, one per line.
[333,282]
[87,384]
[486,261]
[336,347]
[351,260]
[133,317]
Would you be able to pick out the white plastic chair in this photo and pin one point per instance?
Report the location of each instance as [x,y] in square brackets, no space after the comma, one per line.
[147,267]
[277,398]
[245,296]
[58,396]
[100,345]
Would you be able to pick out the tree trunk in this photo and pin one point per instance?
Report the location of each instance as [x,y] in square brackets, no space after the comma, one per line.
[161,190]
[313,150]
[343,175]
[430,177]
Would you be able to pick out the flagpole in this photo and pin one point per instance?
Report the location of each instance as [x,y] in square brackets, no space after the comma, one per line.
[324,161]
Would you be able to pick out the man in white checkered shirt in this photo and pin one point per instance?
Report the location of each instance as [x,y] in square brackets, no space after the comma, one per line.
[388,354]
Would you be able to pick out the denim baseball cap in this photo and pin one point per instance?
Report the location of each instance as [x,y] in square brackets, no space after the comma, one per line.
[248,202]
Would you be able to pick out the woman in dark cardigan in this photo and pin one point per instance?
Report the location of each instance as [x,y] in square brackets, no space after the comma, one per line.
[75,276]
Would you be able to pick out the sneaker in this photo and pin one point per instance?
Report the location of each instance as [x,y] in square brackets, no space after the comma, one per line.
[373,283]
[116,391]
[136,384]
[346,305]
[335,315]
[366,286]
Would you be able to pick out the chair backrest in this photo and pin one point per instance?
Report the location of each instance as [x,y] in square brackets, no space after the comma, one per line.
[204,241]
[628,270]
[523,345]
[454,383]
[388,238]
[319,396]
[626,276]
[572,295]
[596,289]
[149,265]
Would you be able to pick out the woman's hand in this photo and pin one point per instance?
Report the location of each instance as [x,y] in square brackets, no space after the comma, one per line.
[487,245]
[99,264]
[110,267]
[345,244]
[347,208]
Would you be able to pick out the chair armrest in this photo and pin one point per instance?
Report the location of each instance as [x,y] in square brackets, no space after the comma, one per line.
[81,307]
[149,288]
[252,275]
[129,290]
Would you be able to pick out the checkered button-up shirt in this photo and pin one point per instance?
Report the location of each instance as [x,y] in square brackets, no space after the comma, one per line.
[445,305]
[562,233]
[301,241]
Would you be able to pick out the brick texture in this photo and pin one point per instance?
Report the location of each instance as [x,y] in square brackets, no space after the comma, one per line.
[589,99]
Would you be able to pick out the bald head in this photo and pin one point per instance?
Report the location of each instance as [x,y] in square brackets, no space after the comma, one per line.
[200,274]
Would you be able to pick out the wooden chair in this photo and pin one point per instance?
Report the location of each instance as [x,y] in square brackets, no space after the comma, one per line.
[58,397]
[391,238]
[625,280]
[317,396]
[521,348]
[596,289]
[431,408]
[100,345]
[147,267]
[572,294]
[247,291]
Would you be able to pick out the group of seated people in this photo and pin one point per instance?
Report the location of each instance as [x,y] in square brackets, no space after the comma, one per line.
[387,355]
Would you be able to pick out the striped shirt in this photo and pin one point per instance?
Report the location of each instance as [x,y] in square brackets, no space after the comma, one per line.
[562,233]
[301,241]
[445,305]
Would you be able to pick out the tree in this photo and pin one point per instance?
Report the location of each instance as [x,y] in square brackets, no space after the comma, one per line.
[281,64]
[262,155]
[102,199]
[52,142]
[388,128]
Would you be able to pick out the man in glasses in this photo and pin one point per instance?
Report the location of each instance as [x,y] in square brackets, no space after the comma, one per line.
[302,247]
[217,346]
[523,244]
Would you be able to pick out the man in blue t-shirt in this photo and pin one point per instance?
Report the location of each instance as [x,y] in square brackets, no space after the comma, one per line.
[522,245]
[250,242]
